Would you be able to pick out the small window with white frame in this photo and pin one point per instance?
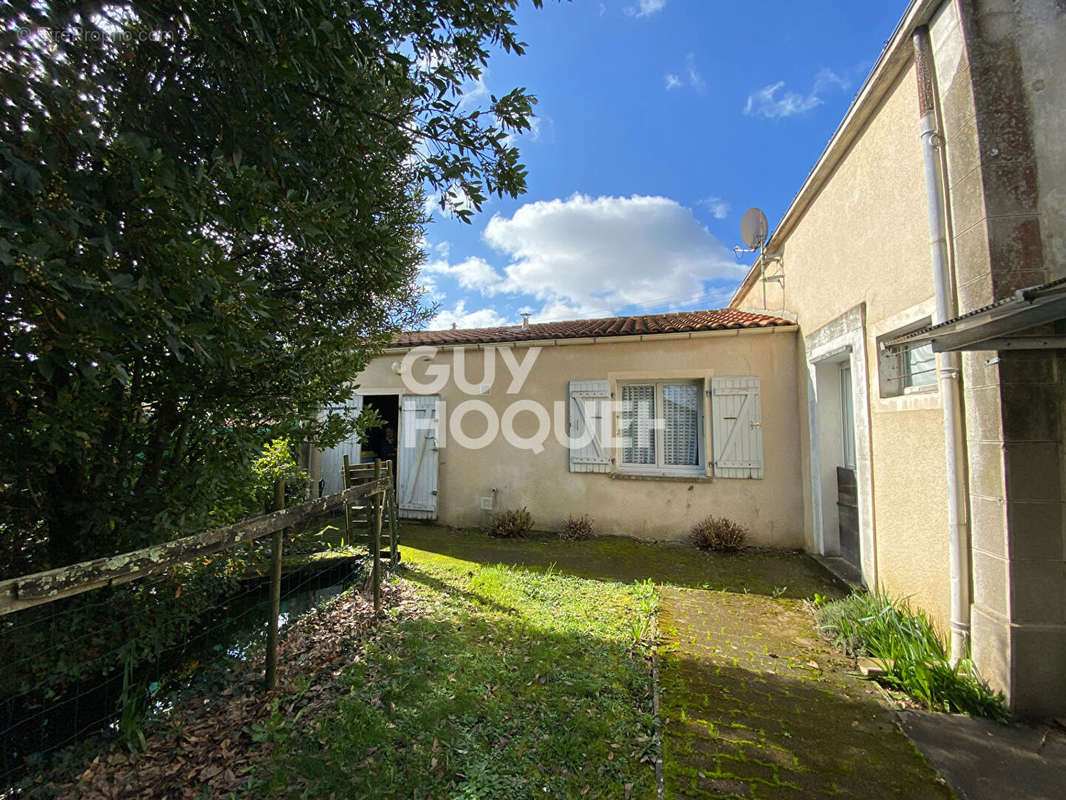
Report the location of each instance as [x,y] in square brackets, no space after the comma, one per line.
[661,427]
[907,368]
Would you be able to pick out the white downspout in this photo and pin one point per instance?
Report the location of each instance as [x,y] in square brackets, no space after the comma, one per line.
[947,363]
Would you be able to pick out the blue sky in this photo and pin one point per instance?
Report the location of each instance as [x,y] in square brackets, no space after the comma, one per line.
[659,123]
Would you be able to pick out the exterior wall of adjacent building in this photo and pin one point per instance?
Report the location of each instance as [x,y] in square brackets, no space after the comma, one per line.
[1004,110]
[862,242]
[863,245]
[649,508]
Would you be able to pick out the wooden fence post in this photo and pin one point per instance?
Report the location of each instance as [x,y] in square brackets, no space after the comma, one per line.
[271,677]
[375,539]
[346,537]
[394,527]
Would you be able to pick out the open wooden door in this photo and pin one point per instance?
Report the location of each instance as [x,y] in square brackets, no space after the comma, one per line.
[416,480]
[333,459]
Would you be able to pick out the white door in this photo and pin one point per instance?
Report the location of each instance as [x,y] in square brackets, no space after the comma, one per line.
[416,483]
[333,459]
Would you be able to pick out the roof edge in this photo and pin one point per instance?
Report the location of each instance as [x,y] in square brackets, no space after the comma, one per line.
[784,327]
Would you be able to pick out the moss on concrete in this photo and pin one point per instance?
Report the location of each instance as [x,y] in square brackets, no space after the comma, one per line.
[755,705]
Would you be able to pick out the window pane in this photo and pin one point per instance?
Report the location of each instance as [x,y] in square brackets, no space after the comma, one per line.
[919,365]
[681,425]
[638,413]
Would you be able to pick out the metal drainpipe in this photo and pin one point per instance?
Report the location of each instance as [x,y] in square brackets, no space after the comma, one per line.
[947,363]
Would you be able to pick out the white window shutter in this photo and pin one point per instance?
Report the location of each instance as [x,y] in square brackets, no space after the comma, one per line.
[737,427]
[588,422]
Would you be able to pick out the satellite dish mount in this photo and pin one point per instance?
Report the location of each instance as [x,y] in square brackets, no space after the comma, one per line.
[754,230]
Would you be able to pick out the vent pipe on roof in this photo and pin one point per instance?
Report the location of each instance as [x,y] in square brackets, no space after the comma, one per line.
[947,363]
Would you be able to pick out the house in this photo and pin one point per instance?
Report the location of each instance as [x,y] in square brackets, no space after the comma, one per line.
[922,260]
[886,389]
[501,418]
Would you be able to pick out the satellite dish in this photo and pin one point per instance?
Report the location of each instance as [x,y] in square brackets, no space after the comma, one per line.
[754,228]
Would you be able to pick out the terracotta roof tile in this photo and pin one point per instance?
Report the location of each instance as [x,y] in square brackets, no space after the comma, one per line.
[646,324]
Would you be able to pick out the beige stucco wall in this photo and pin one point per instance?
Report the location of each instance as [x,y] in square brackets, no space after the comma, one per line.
[654,509]
[864,239]
[861,243]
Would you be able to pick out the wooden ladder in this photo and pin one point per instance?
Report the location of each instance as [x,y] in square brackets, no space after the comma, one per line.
[361,513]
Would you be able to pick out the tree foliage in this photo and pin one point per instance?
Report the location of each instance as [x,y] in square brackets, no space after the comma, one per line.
[210,216]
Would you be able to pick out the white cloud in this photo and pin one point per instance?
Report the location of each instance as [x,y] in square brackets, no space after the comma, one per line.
[457,200]
[826,79]
[645,8]
[767,103]
[461,318]
[473,273]
[473,93]
[692,77]
[558,310]
[718,207]
[586,255]
[532,135]
[695,80]
[534,129]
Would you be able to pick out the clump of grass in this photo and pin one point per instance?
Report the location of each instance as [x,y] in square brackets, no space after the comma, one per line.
[719,534]
[576,529]
[911,652]
[512,524]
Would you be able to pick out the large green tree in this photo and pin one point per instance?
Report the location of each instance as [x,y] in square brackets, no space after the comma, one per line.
[210,216]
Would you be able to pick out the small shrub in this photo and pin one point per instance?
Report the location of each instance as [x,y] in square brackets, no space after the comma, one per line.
[512,524]
[910,650]
[577,528]
[719,534]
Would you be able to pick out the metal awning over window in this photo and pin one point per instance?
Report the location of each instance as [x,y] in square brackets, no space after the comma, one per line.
[998,326]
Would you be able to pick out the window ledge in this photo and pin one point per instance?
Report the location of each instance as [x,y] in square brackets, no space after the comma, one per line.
[645,476]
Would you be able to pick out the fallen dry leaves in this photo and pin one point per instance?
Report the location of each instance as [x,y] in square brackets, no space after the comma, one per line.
[205,747]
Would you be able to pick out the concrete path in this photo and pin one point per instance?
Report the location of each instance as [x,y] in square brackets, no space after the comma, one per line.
[757,706]
[987,761]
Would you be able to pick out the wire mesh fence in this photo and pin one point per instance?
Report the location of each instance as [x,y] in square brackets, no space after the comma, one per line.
[84,670]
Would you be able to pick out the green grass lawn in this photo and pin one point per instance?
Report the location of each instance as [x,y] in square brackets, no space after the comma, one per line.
[777,573]
[501,682]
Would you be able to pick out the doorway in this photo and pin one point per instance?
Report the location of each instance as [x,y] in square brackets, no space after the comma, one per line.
[382,442]
[847,485]
[836,446]
[841,480]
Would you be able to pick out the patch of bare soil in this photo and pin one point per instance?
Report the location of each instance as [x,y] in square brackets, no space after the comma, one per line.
[211,742]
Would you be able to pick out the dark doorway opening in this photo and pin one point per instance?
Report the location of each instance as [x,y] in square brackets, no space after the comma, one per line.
[378,444]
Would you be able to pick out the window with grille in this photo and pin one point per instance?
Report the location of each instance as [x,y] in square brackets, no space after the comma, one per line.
[919,365]
[907,368]
[661,425]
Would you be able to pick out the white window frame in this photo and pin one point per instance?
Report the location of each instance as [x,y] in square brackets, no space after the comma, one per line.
[660,468]
[907,376]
